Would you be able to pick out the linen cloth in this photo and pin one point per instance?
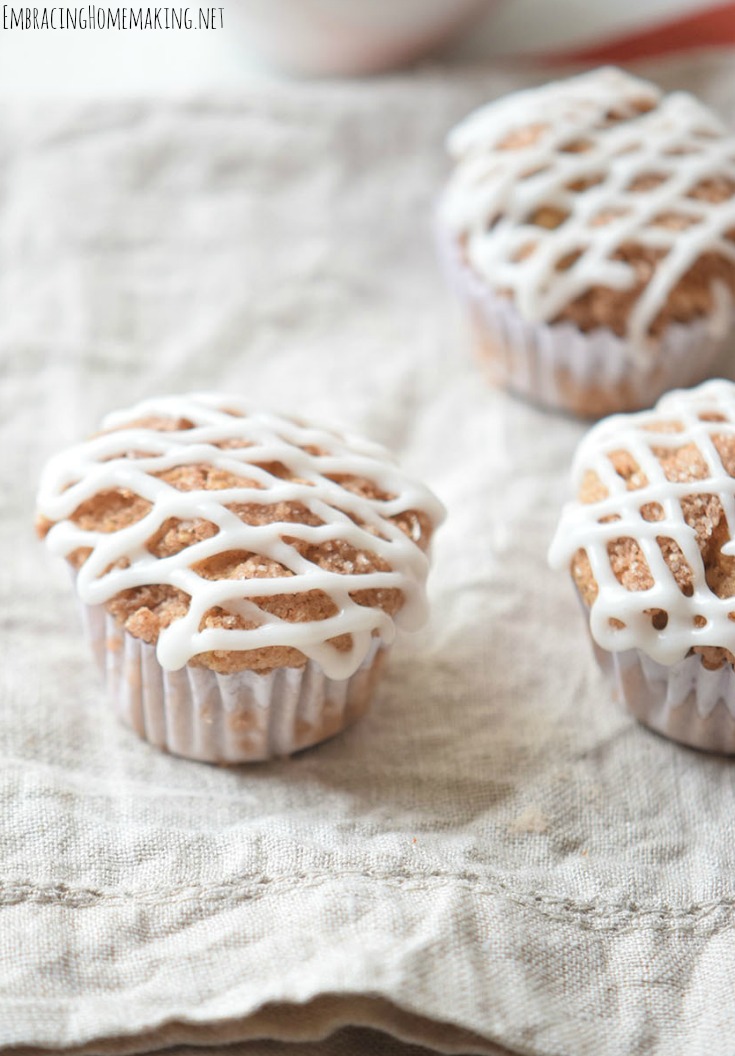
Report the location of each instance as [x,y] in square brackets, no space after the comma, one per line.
[495,856]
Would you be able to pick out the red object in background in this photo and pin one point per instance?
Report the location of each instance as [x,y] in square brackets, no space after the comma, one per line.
[713,27]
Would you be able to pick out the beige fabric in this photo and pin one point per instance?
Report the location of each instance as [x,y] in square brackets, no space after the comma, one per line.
[495,856]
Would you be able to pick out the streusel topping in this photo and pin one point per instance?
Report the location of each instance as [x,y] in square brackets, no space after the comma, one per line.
[601,201]
[238,539]
[649,539]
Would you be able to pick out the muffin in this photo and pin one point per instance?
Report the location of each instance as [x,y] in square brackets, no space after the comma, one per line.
[589,229]
[650,544]
[241,574]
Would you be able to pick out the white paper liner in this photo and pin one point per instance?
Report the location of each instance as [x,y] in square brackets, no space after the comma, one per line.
[684,701]
[559,366]
[233,718]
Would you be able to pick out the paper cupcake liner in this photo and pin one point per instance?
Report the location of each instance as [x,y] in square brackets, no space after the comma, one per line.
[232,718]
[685,702]
[559,366]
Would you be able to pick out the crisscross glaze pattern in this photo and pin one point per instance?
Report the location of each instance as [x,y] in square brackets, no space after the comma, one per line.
[677,524]
[553,185]
[350,492]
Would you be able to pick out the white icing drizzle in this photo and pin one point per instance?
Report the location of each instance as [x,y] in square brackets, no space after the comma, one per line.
[580,526]
[103,463]
[493,193]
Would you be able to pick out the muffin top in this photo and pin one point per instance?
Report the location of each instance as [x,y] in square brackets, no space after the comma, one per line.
[649,539]
[236,539]
[599,201]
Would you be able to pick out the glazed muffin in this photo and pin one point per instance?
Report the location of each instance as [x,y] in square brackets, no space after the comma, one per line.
[650,545]
[589,229]
[241,574]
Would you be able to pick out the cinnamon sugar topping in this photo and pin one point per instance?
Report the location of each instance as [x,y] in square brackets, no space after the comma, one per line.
[236,539]
[599,201]
[650,539]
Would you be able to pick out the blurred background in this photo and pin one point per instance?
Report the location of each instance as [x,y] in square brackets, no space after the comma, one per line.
[348,37]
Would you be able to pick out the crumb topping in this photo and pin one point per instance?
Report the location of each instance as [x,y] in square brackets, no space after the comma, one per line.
[600,202]
[650,538]
[265,541]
